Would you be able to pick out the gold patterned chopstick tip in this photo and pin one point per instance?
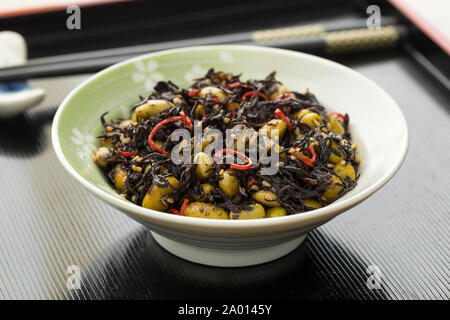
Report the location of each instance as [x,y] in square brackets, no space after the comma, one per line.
[287,33]
[360,39]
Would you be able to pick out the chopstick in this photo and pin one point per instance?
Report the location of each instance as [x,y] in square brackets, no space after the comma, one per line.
[307,38]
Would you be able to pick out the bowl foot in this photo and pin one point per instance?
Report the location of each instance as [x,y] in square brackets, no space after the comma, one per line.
[227,258]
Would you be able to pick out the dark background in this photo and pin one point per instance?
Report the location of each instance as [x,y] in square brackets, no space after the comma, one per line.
[140,22]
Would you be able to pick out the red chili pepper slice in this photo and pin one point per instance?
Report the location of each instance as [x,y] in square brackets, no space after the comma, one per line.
[186,120]
[185,203]
[233,113]
[285,96]
[251,182]
[155,129]
[306,160]
[181,212]
[183,117]
[250,93]
[236,166]
[234,85]
[281,115]
[192,92]
[125,154]
[340,115]
[310,161]
[214,99]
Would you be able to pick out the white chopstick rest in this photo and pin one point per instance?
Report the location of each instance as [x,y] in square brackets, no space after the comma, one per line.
[13,103]
[18,96]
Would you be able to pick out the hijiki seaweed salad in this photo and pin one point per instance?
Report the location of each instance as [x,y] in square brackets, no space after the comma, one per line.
[316,162]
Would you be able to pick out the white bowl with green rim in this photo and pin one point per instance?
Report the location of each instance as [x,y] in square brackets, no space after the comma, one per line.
[377,125]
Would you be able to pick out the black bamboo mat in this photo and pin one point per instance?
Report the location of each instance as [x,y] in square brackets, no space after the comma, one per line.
[395,245]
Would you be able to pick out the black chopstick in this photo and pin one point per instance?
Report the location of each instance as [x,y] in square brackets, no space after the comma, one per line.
[307,38]
[258,36]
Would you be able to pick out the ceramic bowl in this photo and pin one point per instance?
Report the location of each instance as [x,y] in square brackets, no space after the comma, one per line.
[377,126]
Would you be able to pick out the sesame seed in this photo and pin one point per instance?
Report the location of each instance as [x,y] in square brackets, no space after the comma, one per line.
[266,184]
[124,140]
[136,168]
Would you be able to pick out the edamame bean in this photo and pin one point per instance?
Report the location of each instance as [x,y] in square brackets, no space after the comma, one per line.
[204,166]
[120,177]
[207,190]
[267,198]
[257,212]
[344,171]
[205,210]
[150,108]
[334,158]
[100,155]
[228,183]
[152,200]
[311,203]
[332,191]
[312,119]
[212,91]
[276,212]
[272,125]
[334,125]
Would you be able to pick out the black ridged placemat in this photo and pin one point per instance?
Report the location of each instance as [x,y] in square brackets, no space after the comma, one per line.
[48,223]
